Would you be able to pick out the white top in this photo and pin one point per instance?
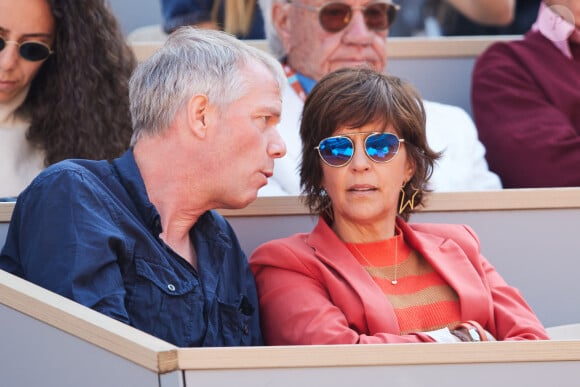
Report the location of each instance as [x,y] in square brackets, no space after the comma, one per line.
[19,161]
[450,129]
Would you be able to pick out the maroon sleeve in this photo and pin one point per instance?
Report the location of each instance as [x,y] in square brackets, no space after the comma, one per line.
[523,97]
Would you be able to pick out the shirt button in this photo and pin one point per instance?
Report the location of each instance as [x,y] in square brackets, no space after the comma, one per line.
[246,330]
[171,287]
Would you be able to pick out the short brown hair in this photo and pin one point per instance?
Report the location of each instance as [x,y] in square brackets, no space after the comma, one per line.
[353,98]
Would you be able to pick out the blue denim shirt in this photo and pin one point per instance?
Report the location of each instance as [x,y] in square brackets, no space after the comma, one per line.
[177,13]
[87,230]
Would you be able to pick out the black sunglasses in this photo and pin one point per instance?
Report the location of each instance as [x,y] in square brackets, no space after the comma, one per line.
[29,50]
[337,151]
[334,17]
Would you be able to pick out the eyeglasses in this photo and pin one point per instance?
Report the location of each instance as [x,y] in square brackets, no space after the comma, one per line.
[334,17]
[32,51]
[337,151]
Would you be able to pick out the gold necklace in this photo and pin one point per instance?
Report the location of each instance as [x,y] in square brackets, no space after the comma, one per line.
[394,280]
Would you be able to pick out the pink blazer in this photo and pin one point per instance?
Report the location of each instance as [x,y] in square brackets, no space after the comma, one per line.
[312,290]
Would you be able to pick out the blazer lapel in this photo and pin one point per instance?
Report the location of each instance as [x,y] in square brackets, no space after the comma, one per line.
[455,266]
[330,250]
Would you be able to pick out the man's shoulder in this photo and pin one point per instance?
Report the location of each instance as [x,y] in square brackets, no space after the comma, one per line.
[533,44]
[445,118]
[71,170]
[442,109]
[66,179]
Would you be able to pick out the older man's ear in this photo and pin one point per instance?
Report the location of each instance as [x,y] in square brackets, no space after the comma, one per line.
[197,115]
[281,22]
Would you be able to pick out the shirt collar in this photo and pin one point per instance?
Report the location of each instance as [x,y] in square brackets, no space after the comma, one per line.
[556,29]
[131,178]
[306,83]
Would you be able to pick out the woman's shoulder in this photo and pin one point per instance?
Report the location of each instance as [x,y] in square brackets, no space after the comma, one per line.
[461,234]
[445,230]
[292,242]
[283,251]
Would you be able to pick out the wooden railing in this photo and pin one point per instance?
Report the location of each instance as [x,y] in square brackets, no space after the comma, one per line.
[51,341]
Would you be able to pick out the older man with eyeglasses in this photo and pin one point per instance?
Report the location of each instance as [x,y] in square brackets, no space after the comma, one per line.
[315,37]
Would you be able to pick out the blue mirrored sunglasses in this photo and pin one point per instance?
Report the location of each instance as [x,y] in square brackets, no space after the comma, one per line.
[337,151]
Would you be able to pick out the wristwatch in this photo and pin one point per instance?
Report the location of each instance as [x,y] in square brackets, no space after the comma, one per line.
[474,330]
[474,334]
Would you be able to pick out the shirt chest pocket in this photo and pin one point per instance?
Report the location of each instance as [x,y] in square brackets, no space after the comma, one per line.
[166,303]
[235,321]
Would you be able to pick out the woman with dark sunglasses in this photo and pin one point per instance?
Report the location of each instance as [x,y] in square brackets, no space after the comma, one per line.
[64,70]
[364,275]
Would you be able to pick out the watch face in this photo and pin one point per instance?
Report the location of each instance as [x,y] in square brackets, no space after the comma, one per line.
[474,334]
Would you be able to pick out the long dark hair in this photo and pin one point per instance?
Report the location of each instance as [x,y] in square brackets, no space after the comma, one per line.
[78,103]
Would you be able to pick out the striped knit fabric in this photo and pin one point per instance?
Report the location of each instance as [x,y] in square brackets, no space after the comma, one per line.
[422,300]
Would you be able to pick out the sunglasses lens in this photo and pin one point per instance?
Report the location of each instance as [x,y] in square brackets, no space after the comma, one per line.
[34,51]
[382,147]
[335,16]
[336,151]
[377,16]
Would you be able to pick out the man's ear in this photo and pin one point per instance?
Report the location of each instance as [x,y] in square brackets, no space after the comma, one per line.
[197,114]
[281,22]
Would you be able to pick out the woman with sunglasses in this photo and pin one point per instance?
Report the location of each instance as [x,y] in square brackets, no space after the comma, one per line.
[64,70]
[364,275]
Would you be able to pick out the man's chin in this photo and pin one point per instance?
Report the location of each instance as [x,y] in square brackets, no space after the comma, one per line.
[243,201]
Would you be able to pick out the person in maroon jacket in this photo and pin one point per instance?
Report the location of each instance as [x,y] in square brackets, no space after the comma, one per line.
[526,101]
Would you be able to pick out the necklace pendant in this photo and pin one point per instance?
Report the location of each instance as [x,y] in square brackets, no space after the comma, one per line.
[394,282]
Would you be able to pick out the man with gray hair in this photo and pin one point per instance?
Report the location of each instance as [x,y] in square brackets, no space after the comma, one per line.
[313,38]
[138,239]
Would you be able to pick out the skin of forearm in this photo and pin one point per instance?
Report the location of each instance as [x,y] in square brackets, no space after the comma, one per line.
[489,12]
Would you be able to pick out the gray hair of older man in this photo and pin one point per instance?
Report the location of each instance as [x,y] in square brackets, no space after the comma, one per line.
[274,43]
[192,61]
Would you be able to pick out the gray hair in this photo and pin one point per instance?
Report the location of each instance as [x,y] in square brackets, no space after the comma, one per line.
[274,43]
[191,61]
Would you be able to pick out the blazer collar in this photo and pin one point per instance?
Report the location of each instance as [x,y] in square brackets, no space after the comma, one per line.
[454,253]
[451,258]
[333,253]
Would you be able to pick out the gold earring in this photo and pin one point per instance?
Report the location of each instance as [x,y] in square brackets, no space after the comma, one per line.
[327,209]
[410,202]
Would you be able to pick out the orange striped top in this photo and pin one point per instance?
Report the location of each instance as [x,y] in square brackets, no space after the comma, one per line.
[421,298]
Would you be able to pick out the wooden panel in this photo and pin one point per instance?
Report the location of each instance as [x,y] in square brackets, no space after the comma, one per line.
[474,364]
[6,209]
[378,354]
[397,47]
[86,324]
[34,353]
[506,199]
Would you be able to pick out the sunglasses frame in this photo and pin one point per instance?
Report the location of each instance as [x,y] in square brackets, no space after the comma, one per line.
[368,135]
[20,45]
[394,8]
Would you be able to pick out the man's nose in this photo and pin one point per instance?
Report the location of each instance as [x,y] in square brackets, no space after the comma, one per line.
[277,146]
[357,30]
